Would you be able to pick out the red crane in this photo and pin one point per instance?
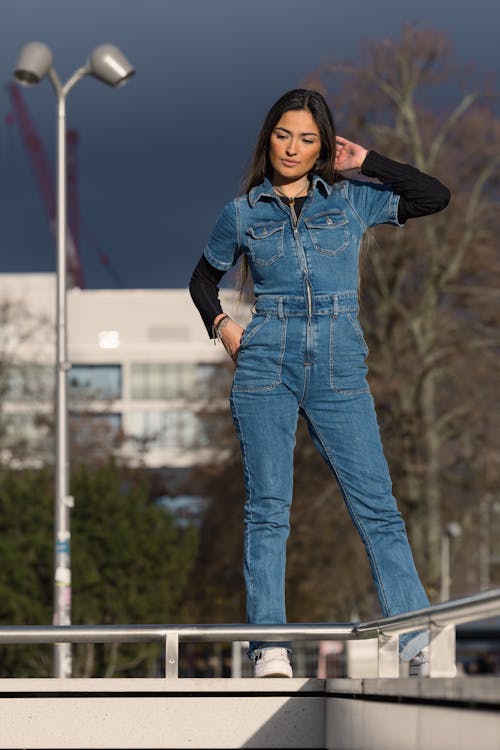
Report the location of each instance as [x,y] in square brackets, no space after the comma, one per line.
[45,181]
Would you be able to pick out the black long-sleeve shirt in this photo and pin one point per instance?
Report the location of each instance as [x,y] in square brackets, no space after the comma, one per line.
[419,195]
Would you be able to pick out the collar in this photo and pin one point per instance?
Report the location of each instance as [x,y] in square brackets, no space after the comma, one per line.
[265,189]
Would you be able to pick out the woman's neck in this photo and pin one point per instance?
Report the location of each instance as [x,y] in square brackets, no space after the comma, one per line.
[291,188]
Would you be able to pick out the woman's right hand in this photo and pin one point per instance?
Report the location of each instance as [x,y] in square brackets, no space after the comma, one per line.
[230,336]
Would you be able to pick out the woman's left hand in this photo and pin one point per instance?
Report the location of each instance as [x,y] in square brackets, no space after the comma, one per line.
[349,155]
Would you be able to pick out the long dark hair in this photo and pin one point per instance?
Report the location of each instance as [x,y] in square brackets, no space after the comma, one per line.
[260,168]
[297,99]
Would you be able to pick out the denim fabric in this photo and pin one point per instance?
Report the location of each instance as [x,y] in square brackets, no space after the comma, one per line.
[304,352]
[321,253]
[290,363]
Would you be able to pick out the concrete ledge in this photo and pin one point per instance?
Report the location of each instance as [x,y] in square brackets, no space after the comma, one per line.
[188,685]
[184,713]
[466,690]
[413,714]
[362,714]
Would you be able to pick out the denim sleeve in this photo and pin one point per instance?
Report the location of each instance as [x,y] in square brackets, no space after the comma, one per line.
[374,203]
[223,247]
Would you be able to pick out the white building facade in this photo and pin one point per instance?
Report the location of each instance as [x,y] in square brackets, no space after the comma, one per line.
[142,366]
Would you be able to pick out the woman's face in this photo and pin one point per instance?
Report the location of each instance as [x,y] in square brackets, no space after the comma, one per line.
[294,146]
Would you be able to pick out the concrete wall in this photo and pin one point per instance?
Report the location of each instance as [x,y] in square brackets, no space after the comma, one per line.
[413,714]
[425,714]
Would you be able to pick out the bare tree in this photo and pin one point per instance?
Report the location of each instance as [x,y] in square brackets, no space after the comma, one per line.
[430,309]
[430,294]
[27,398]
[26,382]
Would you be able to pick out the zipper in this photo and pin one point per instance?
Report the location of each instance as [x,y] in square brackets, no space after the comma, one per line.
[295,222]
[309,300]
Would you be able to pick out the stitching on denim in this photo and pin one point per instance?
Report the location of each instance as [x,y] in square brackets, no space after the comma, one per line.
[282,347]
[394,208]
[331,357]
[307,370]
[316,240]
[270,304]
[254,330]
[238,223]
[248,484]
[214,261]
[271,386]
[348,199]
[358,331]
[329,212]
[280,248]
[357,521]
[316,232]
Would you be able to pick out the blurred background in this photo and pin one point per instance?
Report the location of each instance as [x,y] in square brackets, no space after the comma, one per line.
[207,72]
[155,468]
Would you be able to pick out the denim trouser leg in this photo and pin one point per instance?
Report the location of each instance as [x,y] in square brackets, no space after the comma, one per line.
[266,423]
[359,464]
[315,365]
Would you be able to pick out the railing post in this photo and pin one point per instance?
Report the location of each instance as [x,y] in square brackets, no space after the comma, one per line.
[236,647]
[388,656]
[172,654]
[442,651]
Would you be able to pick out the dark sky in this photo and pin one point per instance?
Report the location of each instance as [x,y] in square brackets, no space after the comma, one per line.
[160,156]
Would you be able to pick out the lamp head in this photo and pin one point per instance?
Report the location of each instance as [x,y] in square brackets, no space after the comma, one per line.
[34,62]
[453,530]
[110,65]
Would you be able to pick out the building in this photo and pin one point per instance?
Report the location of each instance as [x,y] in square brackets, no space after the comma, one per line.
[142,367]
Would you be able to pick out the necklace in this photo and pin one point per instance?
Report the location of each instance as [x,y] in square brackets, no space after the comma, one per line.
[291,202]
[291,198]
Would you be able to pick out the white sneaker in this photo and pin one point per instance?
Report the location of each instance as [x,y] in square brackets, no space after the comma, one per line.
[272,662]
[419,665]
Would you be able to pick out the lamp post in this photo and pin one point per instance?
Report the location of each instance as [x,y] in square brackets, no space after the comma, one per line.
[451,530]
[109,65]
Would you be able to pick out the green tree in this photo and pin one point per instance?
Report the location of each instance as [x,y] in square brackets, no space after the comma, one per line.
[26,566]
[130,564]
[24,340]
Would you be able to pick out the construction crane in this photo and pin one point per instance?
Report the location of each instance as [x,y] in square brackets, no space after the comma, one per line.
[46,185]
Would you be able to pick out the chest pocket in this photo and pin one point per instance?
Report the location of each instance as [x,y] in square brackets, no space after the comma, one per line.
[265,243]
[329,232]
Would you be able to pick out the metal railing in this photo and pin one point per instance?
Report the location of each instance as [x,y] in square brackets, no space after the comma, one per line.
[440,620]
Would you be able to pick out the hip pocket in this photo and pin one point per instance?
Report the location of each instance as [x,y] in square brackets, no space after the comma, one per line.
[348,352]
[261,353]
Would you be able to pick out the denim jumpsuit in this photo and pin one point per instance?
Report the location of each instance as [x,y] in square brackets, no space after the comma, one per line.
[304,351]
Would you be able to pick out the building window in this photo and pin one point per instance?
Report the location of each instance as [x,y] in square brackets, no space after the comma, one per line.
[101,429]
[28,382]
[159,430]
[28,431]
[170,380]
[96,382]
[162,380]
[211,380]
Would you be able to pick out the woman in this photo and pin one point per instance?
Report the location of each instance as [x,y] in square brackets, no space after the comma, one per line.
[299,225]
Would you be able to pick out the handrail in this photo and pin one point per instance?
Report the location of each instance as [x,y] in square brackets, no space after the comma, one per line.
[439,619]
[199,633]
[455,611]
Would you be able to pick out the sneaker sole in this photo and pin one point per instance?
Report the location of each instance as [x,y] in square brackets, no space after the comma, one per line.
[274,670]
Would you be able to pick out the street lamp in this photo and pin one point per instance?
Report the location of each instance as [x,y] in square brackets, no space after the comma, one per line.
[109,65]
[451,531]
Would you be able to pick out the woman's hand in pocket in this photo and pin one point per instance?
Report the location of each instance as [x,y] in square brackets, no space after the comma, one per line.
[230,336]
